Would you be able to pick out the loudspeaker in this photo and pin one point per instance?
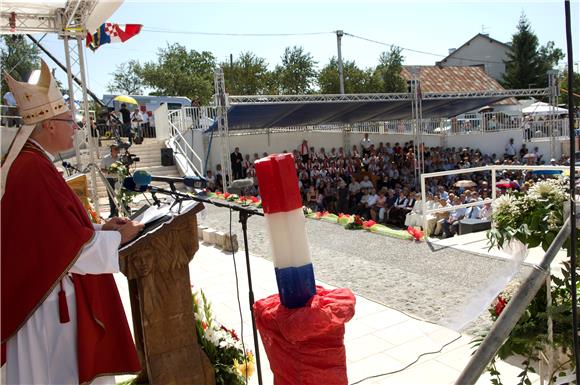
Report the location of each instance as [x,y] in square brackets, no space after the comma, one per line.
[167,157]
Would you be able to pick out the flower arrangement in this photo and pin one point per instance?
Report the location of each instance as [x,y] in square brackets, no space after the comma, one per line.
[123,196]
[233,364]
[242,200]
[356,224]
[534,218]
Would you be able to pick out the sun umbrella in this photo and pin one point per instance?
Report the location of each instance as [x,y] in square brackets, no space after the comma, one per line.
[508,184]
[547,172]
[125,99]
[465,183]
[530,155]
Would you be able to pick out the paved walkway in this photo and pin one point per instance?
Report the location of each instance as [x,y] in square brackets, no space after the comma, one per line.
[378,339]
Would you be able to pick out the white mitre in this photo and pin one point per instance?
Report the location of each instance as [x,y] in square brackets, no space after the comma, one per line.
[40,101]
[36,102]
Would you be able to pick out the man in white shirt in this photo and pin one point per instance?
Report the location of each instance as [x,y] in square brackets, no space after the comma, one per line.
[365,144]
[510,149]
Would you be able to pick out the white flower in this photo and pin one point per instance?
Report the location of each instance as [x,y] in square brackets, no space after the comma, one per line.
[502,203]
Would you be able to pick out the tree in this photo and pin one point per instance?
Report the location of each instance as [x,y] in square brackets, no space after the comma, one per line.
[296,74]
[387,76]
[180,72]
[247,75]
[356,80]
[528,64]
[563,99]
[126,79]
[18,58]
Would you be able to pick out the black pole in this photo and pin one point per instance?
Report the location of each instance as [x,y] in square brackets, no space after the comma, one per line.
[573,230]
[244,221]
[58,63]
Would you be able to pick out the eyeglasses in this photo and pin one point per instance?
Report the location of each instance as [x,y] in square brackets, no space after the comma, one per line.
[65,120]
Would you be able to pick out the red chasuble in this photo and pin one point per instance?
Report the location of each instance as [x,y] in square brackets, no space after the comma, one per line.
[43,228]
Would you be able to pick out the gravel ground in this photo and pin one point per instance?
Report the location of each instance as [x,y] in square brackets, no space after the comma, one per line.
[417,278]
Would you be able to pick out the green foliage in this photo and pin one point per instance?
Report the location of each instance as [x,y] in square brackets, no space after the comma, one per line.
[180,72]
[356,80]
[528,64]
[126,80]
[387,76]
[296,75]
[247,75]
[563,98]
[123,197]
[18,57]
[534,218]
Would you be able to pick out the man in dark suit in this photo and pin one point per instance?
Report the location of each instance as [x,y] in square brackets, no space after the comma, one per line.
[237,159]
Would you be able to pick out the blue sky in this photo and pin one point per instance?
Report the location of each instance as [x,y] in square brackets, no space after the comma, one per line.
[429,26]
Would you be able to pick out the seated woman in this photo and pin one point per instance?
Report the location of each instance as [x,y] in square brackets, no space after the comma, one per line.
[415,216]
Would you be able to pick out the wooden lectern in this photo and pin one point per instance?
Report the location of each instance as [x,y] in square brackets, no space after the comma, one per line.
[156,266]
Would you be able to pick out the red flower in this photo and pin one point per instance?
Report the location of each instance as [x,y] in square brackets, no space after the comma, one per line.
[369,224]
[417,234]
[358,220]
[500,305]
[203,325]
[226,195]
[254,199]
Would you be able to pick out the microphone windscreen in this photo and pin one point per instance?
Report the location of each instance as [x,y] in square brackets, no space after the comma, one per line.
[195,182]
[129,184]
[141,178]
[242,183]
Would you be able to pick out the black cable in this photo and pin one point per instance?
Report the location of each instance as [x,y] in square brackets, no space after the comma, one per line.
[407,366]
[161,30]
[417,51]
[238,295]
[573,251]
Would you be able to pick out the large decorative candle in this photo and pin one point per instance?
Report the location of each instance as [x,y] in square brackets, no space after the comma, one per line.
[282,206]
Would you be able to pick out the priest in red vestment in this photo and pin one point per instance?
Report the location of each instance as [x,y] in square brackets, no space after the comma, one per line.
[62,321]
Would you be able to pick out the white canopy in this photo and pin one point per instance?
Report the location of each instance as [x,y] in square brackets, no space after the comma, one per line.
[541,108]
[25,16]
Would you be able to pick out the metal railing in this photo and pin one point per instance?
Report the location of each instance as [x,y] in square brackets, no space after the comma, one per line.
[177,129]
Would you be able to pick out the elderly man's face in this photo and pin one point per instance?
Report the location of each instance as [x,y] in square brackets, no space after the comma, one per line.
[64,127]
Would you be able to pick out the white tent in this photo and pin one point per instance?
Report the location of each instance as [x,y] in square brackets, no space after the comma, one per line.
[541,108]
[25,16]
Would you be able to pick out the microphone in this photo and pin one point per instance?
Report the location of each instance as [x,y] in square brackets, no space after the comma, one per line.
[69,166]
[238,185]
[143,178]
[130,184]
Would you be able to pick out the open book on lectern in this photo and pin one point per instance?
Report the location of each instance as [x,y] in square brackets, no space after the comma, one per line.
[154,218]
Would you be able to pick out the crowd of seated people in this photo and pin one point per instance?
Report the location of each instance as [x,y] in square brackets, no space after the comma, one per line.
[379,183]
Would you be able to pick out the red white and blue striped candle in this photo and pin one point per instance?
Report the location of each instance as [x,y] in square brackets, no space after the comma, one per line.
[286,224]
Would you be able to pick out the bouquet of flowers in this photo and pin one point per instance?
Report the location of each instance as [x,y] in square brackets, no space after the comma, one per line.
[534,219]
[123,197]
[233,364]
[356,224]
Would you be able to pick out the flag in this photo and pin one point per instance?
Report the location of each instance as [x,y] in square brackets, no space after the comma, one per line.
[112,33]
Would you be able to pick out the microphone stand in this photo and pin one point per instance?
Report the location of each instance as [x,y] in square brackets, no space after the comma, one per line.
[245,213]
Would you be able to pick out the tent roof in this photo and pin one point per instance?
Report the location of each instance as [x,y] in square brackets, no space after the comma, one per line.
[541,108]
[36,16]
[255,112]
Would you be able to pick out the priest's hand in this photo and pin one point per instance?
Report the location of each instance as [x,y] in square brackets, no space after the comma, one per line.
[114,223]
[129,230]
